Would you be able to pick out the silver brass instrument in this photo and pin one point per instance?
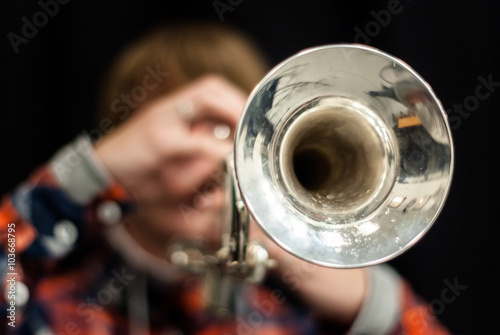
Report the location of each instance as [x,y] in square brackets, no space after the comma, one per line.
[344,158]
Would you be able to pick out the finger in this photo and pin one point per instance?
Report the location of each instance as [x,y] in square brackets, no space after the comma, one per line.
[214,97]
[170,137]
[201,147]
[193,161]
[210,99]
[215,108]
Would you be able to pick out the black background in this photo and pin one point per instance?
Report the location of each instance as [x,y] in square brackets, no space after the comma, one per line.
[49,90]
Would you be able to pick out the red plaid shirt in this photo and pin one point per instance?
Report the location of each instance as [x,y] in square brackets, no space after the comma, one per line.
[83,286]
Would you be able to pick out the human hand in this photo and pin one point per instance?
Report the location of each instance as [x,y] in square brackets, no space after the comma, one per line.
[167,151]
[159,142]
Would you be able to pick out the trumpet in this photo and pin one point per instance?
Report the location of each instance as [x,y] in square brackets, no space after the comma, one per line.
[343,157]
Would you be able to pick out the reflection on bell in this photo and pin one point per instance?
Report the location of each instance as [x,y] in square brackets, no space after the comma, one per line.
[421,203]
[396,201]
[343,156]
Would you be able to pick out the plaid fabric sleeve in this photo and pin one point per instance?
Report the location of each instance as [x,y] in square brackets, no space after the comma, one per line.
[417,316]
[392,307]
[56,207]
[61,205]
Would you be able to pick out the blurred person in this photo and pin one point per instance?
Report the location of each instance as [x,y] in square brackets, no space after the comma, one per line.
[92,226]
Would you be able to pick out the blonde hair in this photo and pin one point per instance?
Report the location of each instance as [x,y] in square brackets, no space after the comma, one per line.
[185,52]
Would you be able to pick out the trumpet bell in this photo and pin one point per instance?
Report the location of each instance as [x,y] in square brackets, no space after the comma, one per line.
[343,156]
